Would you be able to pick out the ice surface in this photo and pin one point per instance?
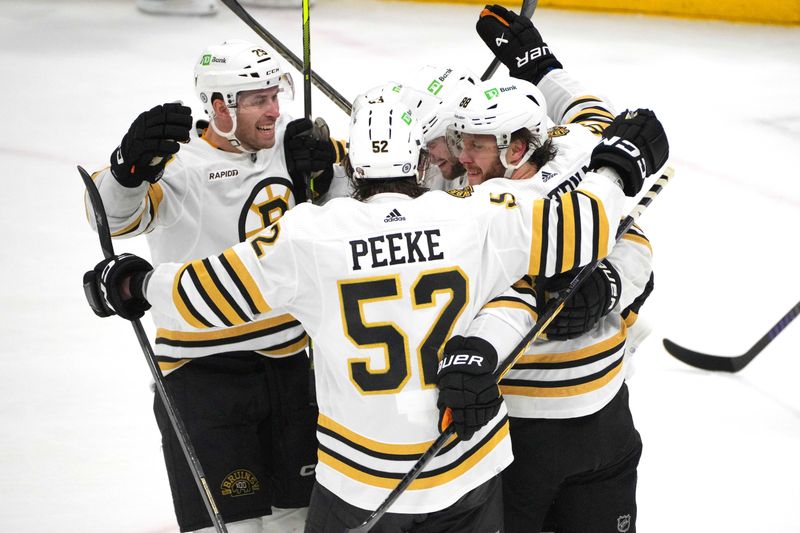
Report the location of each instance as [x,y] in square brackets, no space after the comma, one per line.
[79,449]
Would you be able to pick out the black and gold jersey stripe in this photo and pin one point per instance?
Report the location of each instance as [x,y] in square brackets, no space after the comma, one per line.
[365,471]
[590,112]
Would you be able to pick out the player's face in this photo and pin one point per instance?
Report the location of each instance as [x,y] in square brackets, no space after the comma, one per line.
[480,156]
[256,114]
[439,155]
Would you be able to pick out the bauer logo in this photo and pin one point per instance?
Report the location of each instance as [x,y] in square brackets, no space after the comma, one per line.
[491,93]
[406,118]
[206,60]
[240,483]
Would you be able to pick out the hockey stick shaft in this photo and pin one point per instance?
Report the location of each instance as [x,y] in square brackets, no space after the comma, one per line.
[306,60]
[288,55]
[731,364]
[527,9]
[552,308]
[107,246]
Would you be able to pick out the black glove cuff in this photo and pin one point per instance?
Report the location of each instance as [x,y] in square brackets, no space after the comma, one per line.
[624,165]
[469,346]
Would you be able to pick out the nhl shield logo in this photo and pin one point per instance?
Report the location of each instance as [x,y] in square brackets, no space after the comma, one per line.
[623,523]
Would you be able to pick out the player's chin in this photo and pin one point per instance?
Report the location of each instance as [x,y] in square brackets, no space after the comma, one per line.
[265,139]
[475,176]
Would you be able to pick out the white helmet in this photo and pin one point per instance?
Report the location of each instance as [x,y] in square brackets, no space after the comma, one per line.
[433,93]
[235,66]
[500,107]
[385,138]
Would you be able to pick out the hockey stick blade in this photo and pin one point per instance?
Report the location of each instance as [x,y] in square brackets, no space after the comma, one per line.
[730,364]
[552,308]
[528,7]
[104,233]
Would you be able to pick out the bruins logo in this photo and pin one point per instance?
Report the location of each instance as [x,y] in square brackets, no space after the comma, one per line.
[240,483]
[461,193]
[557,131]
[270,199]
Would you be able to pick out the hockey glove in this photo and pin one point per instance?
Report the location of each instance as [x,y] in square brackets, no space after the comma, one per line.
[635,145]
[151,140]
[590,302]
[311,153]
[106,292]
[467,387]
[517,43]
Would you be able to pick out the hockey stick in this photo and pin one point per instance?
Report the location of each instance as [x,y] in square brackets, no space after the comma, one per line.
[527,9]
[177,424]
[730,364]
[287,54]
[552,308]
[306,60]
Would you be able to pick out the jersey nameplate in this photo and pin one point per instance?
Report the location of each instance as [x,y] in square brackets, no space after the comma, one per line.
[396,249]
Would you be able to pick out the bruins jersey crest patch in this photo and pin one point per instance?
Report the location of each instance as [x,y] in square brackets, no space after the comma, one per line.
[464,192]
[268,201]
[557,131]
[240,483]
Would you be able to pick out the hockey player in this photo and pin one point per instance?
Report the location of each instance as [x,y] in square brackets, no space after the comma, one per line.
[220,189]
[576,449]
[380,284]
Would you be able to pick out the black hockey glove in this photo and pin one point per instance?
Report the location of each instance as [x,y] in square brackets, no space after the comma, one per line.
[593,300]
[635,145]
[310,154]
[151,140]
[467,388]
[104,291]
[517,43]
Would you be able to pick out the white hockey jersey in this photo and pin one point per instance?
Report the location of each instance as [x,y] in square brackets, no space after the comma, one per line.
[577,377]
[207,200]
[380,286]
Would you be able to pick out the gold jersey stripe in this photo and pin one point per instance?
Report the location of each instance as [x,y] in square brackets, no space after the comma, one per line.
[226,333]
[180,304]
[247,280]
[561,392]
[568,251]
[589,351]
[630,318]
[287,350]
[602,230]
[511,304]
[169,366]
[213,292]
[417,484]
[374,445]
[639,240]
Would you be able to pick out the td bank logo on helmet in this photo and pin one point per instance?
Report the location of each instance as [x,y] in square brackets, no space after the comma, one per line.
[208,59]
[494,93]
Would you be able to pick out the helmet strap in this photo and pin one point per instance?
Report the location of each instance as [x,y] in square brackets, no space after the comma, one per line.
[230,135]
[511,167]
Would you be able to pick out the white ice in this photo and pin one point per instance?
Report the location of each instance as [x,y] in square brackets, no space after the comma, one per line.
[79,449]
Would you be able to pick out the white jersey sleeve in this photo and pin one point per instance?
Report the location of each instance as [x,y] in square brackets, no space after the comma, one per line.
[576,377]
[568,102]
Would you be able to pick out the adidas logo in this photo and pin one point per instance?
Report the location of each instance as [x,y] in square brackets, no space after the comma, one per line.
[394,216]
[547,175]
